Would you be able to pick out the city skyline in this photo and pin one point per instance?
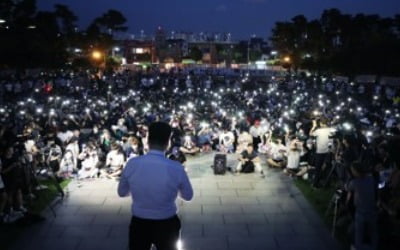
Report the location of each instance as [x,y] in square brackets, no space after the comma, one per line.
[241,18]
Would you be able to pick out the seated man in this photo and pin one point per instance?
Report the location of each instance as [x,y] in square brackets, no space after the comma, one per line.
[249,160]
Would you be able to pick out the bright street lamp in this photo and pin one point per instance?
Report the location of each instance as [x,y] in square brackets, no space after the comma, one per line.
[2,21]
[96,55]
[286,59]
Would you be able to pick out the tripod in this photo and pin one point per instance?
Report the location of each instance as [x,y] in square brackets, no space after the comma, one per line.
[334,203]
[48,173]
[336,167]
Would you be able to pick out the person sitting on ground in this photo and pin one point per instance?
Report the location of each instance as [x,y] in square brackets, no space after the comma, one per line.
[294,152]
[265,145]
[249,160]
[115,162]
[204,140]
[226,140]
[189,146]
[134,150]
[278,154]
[89,160]
[66,165]
[243,140]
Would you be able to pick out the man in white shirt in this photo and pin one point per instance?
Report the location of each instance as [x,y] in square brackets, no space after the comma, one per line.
[323,142]
[154,183]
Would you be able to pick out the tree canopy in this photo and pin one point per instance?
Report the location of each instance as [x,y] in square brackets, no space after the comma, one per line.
[341,43]
[32,38]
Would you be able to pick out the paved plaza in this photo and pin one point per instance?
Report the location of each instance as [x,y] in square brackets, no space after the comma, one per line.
[243,212]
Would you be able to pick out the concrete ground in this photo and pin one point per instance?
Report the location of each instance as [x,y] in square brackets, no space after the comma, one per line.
[228,212]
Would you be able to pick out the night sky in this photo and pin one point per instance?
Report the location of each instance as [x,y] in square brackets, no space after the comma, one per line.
[242,18]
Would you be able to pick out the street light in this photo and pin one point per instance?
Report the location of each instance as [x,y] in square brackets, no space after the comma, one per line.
[96,55]
[2,21]
[99,56]
[286,59]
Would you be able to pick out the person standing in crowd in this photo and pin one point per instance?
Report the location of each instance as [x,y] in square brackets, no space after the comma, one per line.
[154,212]
[3,195]
[363,191]
[323,142]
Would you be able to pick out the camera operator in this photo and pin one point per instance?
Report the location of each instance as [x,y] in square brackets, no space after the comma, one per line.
[12,174]
[3,195]
[322,134]
[362,190]
[346,153]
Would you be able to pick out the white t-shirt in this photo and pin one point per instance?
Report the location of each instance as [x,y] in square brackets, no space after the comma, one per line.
[65,136]
[227,138]
[277,151]
[256,131]
[115,159]
[322,139]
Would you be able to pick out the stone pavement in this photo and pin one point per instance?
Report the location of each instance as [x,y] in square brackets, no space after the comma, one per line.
[228,213]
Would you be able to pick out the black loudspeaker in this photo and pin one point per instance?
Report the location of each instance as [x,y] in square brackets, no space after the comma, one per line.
[219,164]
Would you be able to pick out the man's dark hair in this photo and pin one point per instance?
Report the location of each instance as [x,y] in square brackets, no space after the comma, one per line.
[159,133]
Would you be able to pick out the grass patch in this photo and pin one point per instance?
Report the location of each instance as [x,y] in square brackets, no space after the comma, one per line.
[320,200]
[46,196]
[9,233]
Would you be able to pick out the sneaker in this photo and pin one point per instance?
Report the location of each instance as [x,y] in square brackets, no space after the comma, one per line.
[31,196]
[22,209]
[41,187]
[11,218]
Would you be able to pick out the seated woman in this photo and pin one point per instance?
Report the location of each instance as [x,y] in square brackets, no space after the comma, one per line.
[204,140]
[115,162]
[89,159]
[189,146]
[67,165]
[249,161]
[265,145]
[134,149]
[278,154]
[294,152]
[244,139]
[226,140]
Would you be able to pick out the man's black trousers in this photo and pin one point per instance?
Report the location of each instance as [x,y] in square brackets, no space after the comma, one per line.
[164,234]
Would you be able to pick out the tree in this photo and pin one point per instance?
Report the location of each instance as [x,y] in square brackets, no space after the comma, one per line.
[195,54]
[66,17]
[111,21]
[340,43]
